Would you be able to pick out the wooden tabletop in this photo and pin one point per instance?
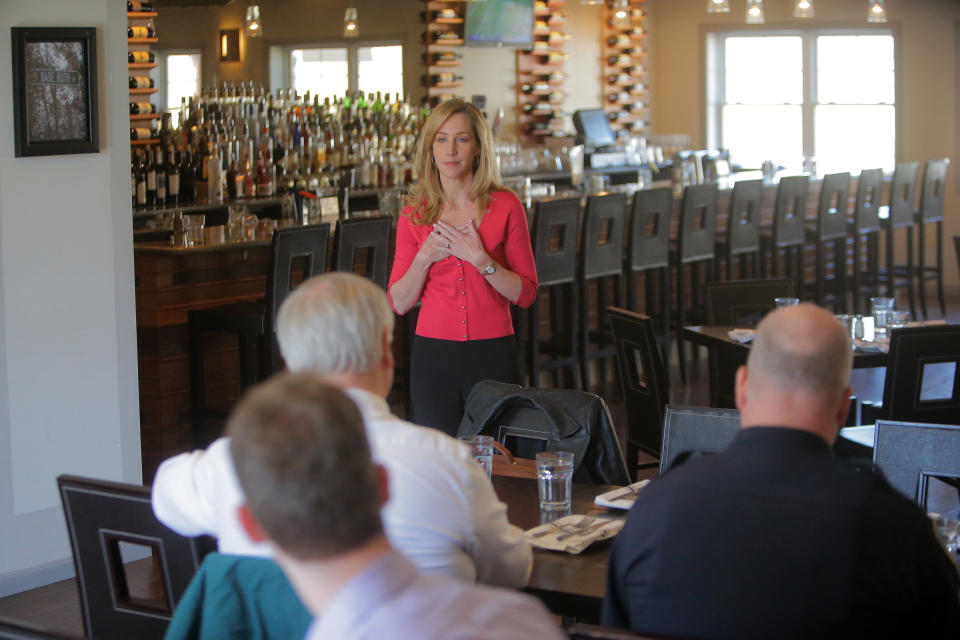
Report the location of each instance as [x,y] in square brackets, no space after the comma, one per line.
[569,585]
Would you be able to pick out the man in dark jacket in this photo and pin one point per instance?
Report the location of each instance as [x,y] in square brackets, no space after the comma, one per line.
[776,538]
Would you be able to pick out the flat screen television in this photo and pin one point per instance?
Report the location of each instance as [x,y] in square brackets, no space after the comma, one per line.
[496,23]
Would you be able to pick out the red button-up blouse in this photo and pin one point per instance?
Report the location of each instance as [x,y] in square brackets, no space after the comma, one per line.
[457,302]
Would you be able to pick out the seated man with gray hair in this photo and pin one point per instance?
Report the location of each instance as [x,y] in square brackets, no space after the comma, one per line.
[443,513]
[775,537]
[311,487]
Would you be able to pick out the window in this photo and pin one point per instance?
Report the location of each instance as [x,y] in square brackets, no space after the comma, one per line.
[787,96]
[181,72]
[333,70]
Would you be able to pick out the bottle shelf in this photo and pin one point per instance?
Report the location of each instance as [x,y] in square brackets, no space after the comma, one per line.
[143,143]
[143,92]
[447,85]
[446,63]
[142,40]
[445,43]
[447,21]
[135,15]
[133,66]
[145,116]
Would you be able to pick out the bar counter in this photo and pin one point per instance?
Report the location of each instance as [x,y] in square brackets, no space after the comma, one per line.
[171,281]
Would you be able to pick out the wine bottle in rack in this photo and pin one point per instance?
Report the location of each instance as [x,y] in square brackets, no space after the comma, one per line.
[136,6]
[141,56]
[161,169]
[142,108]
[142,133]
[141,31]
[141,82]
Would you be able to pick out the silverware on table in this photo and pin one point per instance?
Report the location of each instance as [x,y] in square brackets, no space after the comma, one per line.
[583,531]
[566,529]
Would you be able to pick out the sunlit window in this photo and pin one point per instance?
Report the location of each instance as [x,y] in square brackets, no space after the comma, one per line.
[183,80]
[322,72]
[817,95]
[334,70]
[380,69]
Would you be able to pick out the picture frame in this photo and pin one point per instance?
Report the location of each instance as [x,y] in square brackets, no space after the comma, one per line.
[55,90]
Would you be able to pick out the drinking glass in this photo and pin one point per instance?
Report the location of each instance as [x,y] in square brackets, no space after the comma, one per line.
[881,308]
[555,479]
[898,319]
[786,302]
[235,222]
[481,447]
[193,225]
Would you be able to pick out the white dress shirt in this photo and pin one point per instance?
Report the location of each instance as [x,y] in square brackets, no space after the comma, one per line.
[442,513]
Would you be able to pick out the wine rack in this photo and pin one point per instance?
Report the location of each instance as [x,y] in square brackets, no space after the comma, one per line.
[443,39]
[625,92]
[138,44]
[540,75]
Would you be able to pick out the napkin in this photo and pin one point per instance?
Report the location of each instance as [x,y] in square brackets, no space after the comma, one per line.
[621,497]
[741,335]
[575,539]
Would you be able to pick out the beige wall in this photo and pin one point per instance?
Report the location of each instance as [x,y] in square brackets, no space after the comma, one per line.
[927,76]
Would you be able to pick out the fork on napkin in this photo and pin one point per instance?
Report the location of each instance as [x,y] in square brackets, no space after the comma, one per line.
[568,533]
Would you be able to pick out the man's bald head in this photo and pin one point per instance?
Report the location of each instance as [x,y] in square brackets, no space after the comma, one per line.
[798,371]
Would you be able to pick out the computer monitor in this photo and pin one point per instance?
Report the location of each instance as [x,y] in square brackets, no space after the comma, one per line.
[592,124]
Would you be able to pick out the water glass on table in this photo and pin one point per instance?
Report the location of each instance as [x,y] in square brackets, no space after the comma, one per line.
[481,447]
[898,319]
[881,309]
[555,480]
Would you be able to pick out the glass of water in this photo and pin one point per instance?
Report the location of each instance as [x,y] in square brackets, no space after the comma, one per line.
[947,530]
[882,308]
[481,447]
[555,480]
[786,302]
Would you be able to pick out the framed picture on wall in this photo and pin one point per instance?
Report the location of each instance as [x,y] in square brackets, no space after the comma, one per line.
[54,90]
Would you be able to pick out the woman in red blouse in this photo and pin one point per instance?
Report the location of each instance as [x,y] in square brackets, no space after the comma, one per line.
[463,252]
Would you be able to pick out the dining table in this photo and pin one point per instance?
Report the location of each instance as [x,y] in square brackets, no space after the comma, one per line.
[572,586]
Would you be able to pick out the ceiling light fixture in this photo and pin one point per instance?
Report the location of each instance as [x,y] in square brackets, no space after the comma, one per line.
[877,12]
[252,22]
[718,6]
[755,12]
[621,13]
[803,9]
[350,27]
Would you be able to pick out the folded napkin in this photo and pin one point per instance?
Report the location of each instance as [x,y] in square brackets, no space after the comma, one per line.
[741,335]
[573,533]
[621,497]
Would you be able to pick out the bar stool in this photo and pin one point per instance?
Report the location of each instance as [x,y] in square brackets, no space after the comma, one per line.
[554,239]
[695,247]
[865,229]
[900,215]
[931,212]
[789,228]
[831,228]
[363,243]
[253,322]
[743,228]
[601,261]
[648,252]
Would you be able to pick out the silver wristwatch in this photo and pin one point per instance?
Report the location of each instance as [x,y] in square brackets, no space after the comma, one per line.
[490,269]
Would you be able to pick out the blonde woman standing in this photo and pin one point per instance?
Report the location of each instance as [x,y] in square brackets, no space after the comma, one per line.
[463,251]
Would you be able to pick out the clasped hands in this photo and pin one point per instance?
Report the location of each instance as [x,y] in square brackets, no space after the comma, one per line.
[461,242]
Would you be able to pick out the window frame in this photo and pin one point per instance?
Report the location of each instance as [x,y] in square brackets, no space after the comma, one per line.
[164,73]
[713,76]
[353,64]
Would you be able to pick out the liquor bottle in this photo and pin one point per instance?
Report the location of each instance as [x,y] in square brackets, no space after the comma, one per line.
[161,171]
[173,178]
[151,171]
[141,56]
[249,184]
[141,82]
[214,177]
[188,182]
[141,180]
[232,174]
[137,108]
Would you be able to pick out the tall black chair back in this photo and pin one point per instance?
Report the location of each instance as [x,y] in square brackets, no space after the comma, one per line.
[743,303]
[649,244]
[931,193]
[931,212]
[743,223]
[698,223]
[869,198]
[554,239]
[865,229]
[790,211]
[922,381]
[644,382]
[101,516]
[833,206]
[363,241]
[602,236]
[910,453]
[17,630]
[902,195]
[695,430]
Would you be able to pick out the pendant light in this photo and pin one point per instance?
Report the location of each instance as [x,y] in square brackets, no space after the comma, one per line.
[718,6]
[755,12]
[621,13]
[350,27]
[252,23]
[803,9]
[591,2]
[876,12]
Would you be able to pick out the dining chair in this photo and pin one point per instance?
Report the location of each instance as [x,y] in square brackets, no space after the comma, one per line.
[900,214]
[931,212]
[865,228]
[694,431]
[910,453]
[742,238]
[922,380]
[788,232]
[106,521]
[831,230]
[362,245]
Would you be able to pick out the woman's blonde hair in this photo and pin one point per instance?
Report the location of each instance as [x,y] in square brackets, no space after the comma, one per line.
[426,197]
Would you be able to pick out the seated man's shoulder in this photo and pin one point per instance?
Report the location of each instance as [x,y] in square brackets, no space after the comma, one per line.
[410,437]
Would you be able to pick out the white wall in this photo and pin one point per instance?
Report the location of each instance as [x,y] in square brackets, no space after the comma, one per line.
[68,362]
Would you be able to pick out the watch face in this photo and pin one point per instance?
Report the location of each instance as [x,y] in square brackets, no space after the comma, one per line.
[489,269]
